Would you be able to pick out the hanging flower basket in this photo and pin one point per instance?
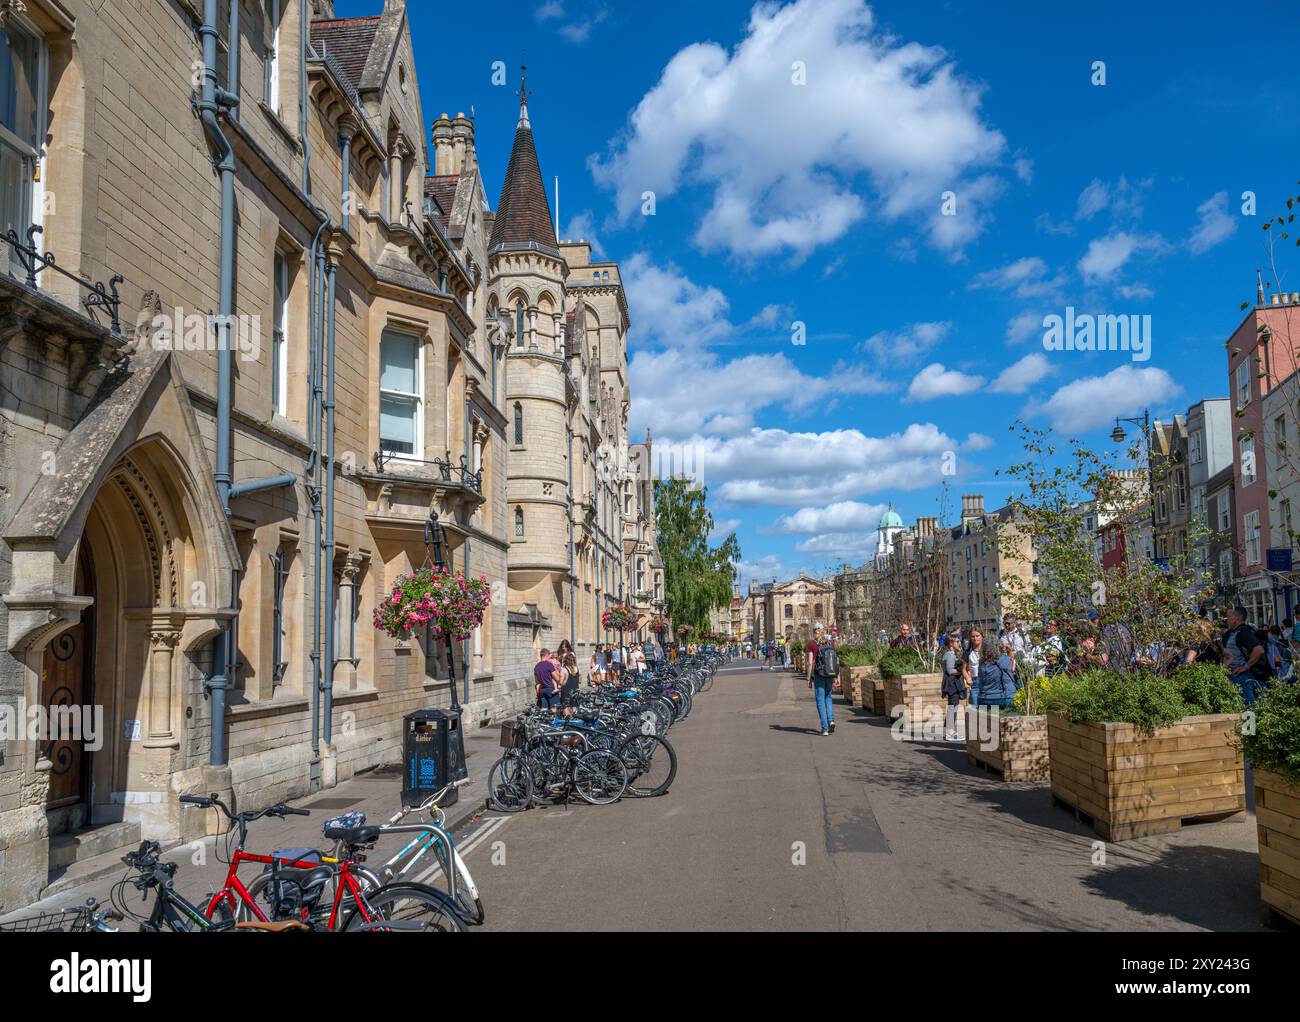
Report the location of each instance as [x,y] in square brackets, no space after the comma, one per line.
[450,605]
[658,624]
[684,630]
[619,616]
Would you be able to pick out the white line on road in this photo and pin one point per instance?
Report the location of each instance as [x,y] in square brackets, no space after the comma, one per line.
[480,835]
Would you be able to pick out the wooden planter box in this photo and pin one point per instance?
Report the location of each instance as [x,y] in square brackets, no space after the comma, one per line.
[854,680]
[1130,785]
[1020,744]
[907,690]
[876,693]
[1277,813]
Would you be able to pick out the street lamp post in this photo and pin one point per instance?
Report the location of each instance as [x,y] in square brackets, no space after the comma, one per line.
[1119,436]
[433,536]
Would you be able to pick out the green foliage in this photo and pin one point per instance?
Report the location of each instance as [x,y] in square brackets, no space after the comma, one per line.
[897,662]
[1206,688]
[855,656]
[1147,701]
[1143,607]
[1272,739]
[697,577]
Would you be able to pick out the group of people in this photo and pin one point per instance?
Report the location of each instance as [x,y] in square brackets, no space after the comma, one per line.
[557,678]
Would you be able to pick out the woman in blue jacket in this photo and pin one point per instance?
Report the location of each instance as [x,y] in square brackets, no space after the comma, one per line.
[998,681]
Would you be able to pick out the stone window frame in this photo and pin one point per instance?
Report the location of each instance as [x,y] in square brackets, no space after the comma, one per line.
[32,203]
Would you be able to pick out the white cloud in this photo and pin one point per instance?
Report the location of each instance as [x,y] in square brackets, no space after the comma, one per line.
[838,547]
[1024,168]
[1027,277]
[1124,200]
[1107,255]
[679,392]
[1024,325]
[842,516]
[1095,401]
[670,307]
[935,381]
[978,442]
[882,126]
[1134,292]
[1047,225]
[582,227]
[723,526]
[1216,225]
[907,344]
[549,11]
[779,468]
[761,569]
[1020,376]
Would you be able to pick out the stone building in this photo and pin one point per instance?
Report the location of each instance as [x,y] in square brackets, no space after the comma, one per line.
[223,431]
[981,552]
[788,610]
[581,498]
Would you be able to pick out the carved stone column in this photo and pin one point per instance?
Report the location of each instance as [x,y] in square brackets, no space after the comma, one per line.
[164,637]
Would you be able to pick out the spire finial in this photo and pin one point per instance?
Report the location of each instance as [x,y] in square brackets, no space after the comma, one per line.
[1259,288]
[523,94]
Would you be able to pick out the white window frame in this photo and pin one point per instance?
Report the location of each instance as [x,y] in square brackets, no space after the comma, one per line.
[1243,383]
[1196,449]
[280,334]
[418,453]
[271,96]
[1247,444]
[1250,533]
[35,203]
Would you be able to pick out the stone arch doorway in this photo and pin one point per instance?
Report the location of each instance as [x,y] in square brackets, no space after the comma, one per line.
[67,684]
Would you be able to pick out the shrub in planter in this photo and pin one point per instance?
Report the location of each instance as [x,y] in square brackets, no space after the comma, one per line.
[1272,741]
[1139,753]
[897,662]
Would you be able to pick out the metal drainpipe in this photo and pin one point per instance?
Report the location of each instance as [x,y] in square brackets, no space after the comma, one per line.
[328,551]
[318,532]
[469,454]
[572,591]
[304,44]
[212,101]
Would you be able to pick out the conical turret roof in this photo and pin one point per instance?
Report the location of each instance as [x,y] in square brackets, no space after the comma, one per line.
[523,217]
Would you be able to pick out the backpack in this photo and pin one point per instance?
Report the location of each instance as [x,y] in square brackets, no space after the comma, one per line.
[828,661]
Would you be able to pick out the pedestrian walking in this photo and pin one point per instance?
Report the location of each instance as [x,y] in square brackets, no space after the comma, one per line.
[971,665]
[954,686]
[767,656]
[547,677]
[1246,656]
[569,684]
[823,669]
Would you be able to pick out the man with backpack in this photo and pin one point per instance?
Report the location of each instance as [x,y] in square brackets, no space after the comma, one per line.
[1246,656]
[823,669]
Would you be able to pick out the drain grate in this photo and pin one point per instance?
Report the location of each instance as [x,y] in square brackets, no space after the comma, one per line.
[334,803]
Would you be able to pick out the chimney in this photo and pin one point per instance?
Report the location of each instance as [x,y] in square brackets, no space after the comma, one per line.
[462,143]
[925,527]
[442,146]
[972,507]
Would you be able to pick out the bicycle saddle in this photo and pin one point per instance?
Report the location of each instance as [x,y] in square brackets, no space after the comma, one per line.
[346,821]
[353,835]
[304,878]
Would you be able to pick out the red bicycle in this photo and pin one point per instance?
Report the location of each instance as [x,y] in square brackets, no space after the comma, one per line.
[295,888]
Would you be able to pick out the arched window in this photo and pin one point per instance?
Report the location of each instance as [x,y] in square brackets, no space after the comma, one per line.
[519,423]
[519,521]
[519,325]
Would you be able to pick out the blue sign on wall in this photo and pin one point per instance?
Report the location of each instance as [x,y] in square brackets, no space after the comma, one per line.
[1279,559]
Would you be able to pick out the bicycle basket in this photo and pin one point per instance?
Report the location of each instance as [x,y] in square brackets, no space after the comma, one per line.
[68,920]
[514,734]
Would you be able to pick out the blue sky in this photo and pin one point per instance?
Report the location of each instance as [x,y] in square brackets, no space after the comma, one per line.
[799,154]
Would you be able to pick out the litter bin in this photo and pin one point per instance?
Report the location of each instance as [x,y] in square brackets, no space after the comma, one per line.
[434,754]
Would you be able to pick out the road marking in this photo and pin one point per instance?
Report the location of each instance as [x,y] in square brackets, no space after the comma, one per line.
[489,827]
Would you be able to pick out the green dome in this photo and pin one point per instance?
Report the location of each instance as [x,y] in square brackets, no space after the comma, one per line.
[891,520]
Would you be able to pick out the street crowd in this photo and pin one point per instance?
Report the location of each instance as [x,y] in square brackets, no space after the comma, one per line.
[557,677]
[983,670]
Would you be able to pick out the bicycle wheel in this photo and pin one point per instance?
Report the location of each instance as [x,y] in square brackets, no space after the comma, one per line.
[552,778]
[407,908]
[651,765]
[467,898]
[663,711]
[600,777]
[510,784]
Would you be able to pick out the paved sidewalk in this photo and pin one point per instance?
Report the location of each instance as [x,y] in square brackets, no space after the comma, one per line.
[377,793]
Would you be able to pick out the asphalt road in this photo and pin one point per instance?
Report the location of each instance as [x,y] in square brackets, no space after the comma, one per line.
[770,826]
